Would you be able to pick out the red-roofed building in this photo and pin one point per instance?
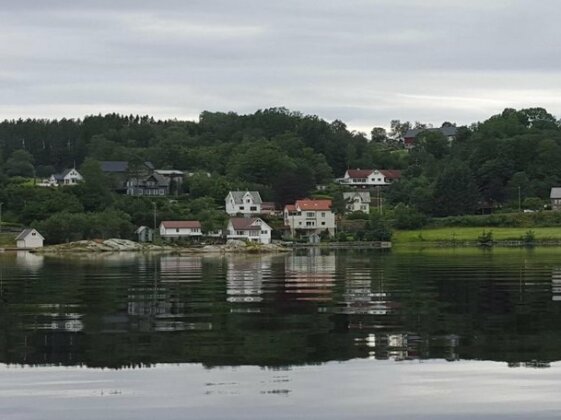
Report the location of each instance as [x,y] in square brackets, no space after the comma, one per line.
[369,177]
[176,229]
[252,229]
[310,217]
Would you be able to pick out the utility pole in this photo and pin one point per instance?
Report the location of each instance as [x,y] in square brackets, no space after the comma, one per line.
[154,205]
[519,201]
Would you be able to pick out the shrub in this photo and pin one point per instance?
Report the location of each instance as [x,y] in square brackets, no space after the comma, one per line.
[485,239]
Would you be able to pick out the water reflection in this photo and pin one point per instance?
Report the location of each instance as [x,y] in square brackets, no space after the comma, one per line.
[309,307]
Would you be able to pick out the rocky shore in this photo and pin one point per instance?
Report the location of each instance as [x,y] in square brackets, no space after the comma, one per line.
[124,245]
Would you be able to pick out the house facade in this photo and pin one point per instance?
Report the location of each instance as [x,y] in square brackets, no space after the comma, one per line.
[363,178]
[555,197]
[357,201]
[310,217]
[29,239]
[145,234]
[152,185]
[246,203]
[178,229]
[251,229]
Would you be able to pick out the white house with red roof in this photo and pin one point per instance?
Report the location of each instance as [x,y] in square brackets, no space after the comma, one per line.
[251,229]
[369,177]
[310,216]
[176,229]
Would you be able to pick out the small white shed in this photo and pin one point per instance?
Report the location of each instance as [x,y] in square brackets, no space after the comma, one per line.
[29,238]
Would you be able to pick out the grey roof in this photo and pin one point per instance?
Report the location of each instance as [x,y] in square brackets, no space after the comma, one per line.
[446,131]
[60,177]
[114,165]
[25,233]
[160,179]
[117,166]
[364,196]
[238,196]
[555,192]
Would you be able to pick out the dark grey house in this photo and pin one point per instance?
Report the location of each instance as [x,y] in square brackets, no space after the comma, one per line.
[151,186]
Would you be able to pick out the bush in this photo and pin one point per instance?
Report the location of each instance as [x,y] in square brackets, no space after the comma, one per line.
[529,237]
[406,217]
[485,239]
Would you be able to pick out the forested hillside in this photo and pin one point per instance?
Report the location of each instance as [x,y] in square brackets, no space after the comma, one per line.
[282,154]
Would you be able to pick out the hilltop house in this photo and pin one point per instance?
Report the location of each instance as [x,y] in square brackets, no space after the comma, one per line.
[152,185]
[251,229]
[177,229]
[29,239]
[369,177]
[357,201]
[555,197]
[175,178]
[310,217]
[68,177]
[410,136]
[246,203]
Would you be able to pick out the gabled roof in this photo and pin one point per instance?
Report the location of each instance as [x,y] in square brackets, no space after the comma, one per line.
[60,177]
[555,192]
[141,229]
[391,173]
[246,223]
[181,224]
[313,205]
[446,131]
[364,196]
[359,173]
[239,195]
[160,179]
[27,232]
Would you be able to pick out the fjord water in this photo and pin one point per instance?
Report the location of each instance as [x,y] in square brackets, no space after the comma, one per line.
[451,333]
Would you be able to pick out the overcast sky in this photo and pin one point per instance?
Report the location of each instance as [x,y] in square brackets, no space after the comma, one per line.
[362,61]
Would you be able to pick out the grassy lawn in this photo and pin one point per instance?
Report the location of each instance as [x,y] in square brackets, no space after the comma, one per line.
[470,234]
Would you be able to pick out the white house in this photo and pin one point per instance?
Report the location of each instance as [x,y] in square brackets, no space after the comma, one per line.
[310,217]
[176,229]
[246,203]
[29,239]
[68,177]
[369,177]
[252,229]
[357,201]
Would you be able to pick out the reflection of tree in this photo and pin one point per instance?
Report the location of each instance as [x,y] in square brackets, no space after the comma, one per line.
[310,307]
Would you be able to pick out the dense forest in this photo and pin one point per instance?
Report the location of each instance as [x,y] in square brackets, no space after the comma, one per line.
[511,158]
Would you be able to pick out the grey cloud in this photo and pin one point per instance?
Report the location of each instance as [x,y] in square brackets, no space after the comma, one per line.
[365,62]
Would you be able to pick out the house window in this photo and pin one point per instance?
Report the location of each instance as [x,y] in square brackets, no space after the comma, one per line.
[323,214]
[242,208]
[323,223]
[310,214]
[176,230]
[263,232]
[310,224]
[253,208]
[239,232]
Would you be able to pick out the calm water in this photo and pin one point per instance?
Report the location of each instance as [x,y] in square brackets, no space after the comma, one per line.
[355,335]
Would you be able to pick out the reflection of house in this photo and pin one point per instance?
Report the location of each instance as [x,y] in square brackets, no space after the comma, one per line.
[556,284]
[309,217]
[246,203]
[249,229]
[29,260]
[369,177]
[357,201]
[245,278]
[555,196]
[176,229]
[29,239]
[68,177]
[310,277]
[151,185]
[179,269]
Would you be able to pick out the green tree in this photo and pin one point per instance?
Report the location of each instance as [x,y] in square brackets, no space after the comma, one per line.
[455,191]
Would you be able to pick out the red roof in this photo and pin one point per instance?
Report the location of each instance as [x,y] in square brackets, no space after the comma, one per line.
[359,173]
[391,173]
[267,205]
[290,207]
[244,223]
[314,205]
[181,224]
